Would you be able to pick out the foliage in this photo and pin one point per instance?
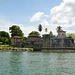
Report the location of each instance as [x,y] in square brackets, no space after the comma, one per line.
[40,27]
[71,35]
[59,28]
[15,31]
[25,38]
[51,34]
[34,33]
[46,30]
[4,37]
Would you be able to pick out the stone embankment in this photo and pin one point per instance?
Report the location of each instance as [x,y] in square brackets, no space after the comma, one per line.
[56,49]
[16,49]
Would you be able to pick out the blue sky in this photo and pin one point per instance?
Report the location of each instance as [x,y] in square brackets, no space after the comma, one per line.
[28,14]
[20,11]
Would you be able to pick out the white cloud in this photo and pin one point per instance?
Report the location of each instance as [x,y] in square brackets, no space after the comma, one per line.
[45,23]
[4,24]
[64,14]
[26,30]
[36,17]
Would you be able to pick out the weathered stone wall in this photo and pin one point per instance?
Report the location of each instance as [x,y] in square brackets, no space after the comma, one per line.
[38,43]
[16,42]
[59,42]
[56,42]
[46,40]
[32,42]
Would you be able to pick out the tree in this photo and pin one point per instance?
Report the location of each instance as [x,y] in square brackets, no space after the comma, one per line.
[4,37]
[71,35]
[25,38]
[46,30]
[40,27]
[59,28]
[34,33]
[15,31]
[51,34]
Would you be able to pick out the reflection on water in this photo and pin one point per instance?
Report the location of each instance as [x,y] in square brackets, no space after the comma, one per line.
[37,63]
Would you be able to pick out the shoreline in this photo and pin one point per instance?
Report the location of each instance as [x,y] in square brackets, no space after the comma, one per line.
[30,49]
[44,49]
[59,51]
[16,49]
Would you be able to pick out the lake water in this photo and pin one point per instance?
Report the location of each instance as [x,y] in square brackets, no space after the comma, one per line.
[37,63]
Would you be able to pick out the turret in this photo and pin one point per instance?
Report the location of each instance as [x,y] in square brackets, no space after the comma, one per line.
[62,34]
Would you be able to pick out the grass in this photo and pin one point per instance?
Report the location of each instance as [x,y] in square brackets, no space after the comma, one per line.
[9,48]
[5,46]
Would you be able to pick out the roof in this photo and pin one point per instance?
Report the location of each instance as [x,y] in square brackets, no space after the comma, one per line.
[17,37]
[1,42]
[33,36]
[62,31]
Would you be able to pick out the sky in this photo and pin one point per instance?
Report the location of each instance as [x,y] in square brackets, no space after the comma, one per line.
[28,14]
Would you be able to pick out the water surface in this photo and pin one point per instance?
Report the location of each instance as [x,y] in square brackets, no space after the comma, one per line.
[37,63]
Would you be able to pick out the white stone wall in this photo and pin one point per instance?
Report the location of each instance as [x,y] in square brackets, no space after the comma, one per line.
[62,34]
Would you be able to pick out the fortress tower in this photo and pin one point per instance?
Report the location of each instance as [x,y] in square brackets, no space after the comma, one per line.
[62,34]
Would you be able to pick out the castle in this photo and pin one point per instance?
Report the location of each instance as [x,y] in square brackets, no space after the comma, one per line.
[35,41]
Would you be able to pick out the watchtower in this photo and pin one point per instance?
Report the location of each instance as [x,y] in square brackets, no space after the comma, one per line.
[62,34]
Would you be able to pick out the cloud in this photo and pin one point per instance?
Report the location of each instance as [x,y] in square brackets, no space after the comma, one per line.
[44,23]
[4,24]
[36,17]
[27,29]
[64,14]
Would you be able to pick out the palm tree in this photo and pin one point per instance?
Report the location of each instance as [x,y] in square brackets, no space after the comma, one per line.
[46,30]
[59,28]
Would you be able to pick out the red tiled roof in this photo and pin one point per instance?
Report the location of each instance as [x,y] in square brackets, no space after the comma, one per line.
[33,36]
[1,42]
[17,37]
[61,31]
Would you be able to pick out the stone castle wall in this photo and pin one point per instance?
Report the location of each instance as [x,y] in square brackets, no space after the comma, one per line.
[46,42]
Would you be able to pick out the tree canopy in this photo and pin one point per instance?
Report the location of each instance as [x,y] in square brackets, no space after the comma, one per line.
[34,33]
[71,35]
[15,31]
[4,37]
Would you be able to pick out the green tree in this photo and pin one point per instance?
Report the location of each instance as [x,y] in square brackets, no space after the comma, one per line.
[51,34]
[71,35]
[59,28]
[46,30]
[15,31]
[34,33]
[40,27]
[25,38]
[4,37]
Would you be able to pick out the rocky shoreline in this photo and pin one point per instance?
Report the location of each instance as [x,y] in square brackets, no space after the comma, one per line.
[15,49]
